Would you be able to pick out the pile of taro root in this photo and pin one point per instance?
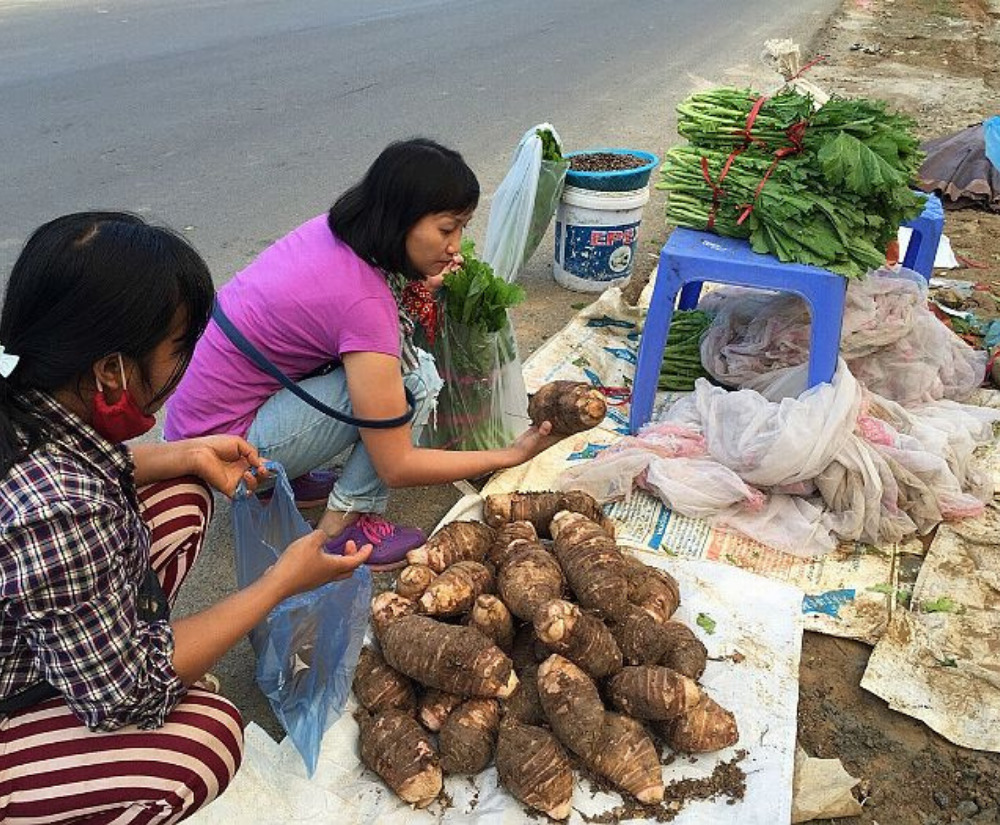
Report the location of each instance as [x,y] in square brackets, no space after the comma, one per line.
[520,652]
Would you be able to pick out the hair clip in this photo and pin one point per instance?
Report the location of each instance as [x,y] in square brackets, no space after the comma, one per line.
[8,361]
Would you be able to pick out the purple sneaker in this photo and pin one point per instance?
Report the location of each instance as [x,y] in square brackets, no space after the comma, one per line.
[311,490]
[390,542]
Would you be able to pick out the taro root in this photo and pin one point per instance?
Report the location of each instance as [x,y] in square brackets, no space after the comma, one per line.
[454,659]
[399,750]
[570,406]
[533,766]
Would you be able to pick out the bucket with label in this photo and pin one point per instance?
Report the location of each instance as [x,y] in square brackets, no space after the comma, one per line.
[597,237]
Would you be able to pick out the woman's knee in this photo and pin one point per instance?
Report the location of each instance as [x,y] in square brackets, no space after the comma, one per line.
[425,383]
[211,747]
[191,493]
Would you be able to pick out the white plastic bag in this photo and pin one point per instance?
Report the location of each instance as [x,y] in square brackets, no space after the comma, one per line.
[770,443]
[516,222]
[891,341]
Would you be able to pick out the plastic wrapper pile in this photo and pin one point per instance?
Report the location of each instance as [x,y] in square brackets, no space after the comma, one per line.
[881,453]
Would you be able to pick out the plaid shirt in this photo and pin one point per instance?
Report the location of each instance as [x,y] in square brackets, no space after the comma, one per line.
[74,550]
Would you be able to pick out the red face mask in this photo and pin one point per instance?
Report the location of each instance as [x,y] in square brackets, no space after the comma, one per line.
[122,420]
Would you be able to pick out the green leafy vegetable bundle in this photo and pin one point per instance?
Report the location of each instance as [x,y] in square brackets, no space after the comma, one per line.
[681,365]
[475,297]
[826,187]
[476,355]
[550,146]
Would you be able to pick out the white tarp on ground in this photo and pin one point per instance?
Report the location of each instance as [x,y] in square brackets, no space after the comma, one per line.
[753,671]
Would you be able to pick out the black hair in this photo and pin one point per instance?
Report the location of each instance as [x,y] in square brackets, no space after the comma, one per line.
[408,180]
[85,286]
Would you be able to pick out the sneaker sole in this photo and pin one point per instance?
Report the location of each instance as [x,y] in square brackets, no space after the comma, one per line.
[388,566]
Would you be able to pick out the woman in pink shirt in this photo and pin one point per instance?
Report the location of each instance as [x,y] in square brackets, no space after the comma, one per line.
[326,304]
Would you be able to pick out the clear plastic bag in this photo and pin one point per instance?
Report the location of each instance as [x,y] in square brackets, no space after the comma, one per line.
[891,341]
[483,404]
[770,443]
[523,205]
[308,646]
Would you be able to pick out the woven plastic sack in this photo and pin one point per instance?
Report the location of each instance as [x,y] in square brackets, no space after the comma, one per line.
[308,646]
[483,404]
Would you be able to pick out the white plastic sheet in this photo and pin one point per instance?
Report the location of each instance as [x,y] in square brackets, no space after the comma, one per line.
[770,443]
[761,689]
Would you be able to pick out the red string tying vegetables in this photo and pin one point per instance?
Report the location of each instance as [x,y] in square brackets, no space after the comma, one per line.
[617,396]
[795,133]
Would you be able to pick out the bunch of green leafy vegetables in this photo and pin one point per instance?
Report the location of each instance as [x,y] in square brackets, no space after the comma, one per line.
[476,297]
[550,146]
[827,187]
[473,346]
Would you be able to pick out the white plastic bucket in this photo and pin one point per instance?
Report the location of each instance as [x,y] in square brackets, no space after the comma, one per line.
[597,236]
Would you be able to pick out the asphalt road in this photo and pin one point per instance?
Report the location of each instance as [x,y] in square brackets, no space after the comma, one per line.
[234,120]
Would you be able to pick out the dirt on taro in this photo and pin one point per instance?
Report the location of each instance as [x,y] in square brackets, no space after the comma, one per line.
[939,61]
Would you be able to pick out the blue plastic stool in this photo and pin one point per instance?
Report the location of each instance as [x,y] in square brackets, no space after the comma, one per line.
[689,258]
[927,228]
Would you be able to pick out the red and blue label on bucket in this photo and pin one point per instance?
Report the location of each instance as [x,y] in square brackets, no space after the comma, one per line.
[596,253]
[597,237]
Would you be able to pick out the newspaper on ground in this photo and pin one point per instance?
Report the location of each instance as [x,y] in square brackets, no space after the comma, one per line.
[947,643]
[754,650]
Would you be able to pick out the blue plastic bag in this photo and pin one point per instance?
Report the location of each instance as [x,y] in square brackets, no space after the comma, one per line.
[308,646]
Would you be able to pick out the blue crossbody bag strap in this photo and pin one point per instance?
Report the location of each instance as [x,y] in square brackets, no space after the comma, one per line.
[255,355]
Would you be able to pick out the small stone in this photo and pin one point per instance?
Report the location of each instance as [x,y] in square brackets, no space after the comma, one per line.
[941,800]
[967,808]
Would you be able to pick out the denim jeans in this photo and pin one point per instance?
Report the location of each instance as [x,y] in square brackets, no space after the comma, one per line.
[301,438]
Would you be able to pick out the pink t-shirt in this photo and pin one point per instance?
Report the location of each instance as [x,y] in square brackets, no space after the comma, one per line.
[304,301]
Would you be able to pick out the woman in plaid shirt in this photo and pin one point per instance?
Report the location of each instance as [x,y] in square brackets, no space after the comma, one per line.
[100,718]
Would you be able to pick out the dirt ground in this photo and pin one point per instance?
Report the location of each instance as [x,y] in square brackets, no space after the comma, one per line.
[937,60]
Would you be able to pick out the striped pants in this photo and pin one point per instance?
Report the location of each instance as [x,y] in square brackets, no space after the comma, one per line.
[54,770]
